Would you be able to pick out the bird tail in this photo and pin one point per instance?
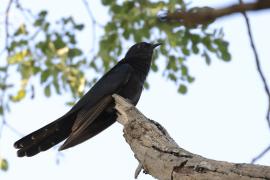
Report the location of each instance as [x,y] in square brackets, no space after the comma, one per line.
[45,137]
[101,123]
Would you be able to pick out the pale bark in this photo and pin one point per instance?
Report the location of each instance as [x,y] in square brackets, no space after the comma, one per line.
[160,156]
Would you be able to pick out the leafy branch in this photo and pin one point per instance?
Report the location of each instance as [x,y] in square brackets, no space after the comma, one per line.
[204,15]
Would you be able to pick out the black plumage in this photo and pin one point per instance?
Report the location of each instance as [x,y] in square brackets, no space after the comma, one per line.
[95,111]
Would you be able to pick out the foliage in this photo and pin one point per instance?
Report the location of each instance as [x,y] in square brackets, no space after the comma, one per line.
[45,50]
[48,50]
[144,25]
[49,53]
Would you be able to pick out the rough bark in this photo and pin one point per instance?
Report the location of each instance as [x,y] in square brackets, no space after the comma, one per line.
[160,156]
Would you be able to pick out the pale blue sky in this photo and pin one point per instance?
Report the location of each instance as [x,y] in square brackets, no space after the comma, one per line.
[222,117]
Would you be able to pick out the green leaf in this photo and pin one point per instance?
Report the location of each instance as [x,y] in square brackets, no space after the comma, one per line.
[207,58]
[21,30]
[3,68]
[79,27]
[41,18]
[184,70]
[47,90]
[154,67]
[208,43]
[3,164]
[20,95]
[74,52]
[172,77]
[56,85]
[182,89]
[71,37]
[43,13]
[106,2]
[70,103]
[195,38]
[36,70]
[186,51]
[46,26]
[190,79]
[226,56]
[44,76]
[195,49]
[146,85]
[172,63]
[126,34]
[18,57]
[1,110]
[59,42]
[116,8]
[38,22]
[110,27]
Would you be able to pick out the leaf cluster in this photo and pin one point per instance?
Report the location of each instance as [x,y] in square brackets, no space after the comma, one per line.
[135,21]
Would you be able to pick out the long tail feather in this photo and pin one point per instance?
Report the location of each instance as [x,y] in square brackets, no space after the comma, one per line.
[45,137]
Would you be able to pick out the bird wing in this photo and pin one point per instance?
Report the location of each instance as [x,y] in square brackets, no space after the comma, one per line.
[90,114]
[108,84]
[83,121]
[96,101]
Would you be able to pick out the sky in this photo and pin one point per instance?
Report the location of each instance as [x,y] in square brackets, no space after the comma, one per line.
[222,116]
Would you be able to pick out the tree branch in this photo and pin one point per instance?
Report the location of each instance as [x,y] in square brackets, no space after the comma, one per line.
[94,23]
[260,155]
[5,77]
[205,15]
[162,158]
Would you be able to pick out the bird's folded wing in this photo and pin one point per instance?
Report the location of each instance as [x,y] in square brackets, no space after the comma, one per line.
[93,103]
[107,85]
[84,119]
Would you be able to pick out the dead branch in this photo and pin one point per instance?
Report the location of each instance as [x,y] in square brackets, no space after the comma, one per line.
[160,156]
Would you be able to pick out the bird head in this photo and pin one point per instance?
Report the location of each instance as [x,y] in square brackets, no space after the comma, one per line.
[142,49]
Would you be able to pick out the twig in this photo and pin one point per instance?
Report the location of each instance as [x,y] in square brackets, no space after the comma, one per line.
[260,155]
[7,22]
[89,11]
[27,13]
[4,123]
[7,41]
[14,130]
[2,99]
[93,22]
[259,69]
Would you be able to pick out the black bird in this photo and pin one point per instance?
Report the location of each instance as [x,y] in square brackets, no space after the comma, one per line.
[95,111]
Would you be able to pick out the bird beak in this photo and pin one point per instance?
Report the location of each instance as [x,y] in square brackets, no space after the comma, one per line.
[156,45]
